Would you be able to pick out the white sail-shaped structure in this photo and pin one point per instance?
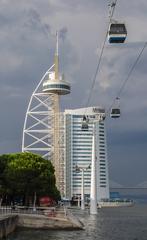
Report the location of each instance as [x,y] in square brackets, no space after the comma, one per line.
[38,125]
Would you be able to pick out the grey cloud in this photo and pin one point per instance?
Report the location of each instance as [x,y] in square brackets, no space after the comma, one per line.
[63,33]
[128,164]
[33,21]
[78,3]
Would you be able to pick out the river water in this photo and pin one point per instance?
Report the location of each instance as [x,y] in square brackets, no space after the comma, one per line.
[122,223]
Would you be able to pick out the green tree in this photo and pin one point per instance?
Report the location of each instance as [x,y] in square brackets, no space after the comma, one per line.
[26,174]
[3,188]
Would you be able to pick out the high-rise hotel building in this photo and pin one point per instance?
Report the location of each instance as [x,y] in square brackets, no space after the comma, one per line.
[78,152]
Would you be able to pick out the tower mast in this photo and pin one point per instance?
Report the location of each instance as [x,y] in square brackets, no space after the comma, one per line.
[56,112]
[56,85]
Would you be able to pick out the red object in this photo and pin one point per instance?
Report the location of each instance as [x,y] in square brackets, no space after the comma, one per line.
[46,201]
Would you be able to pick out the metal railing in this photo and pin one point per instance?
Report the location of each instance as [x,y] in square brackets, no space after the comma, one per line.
[48,211]
[17,210]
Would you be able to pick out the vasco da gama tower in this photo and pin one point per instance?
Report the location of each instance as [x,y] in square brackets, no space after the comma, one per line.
[43,131]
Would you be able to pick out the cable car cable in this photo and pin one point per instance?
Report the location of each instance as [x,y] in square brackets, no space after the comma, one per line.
[101,54]
[112,6]
[129,75]
[96,72]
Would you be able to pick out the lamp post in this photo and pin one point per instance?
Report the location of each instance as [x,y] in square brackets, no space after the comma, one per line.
[82,169]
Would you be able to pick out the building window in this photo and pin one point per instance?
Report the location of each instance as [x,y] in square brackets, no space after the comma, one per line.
[78,116]
[101,131]
[102,149]
[102,139]
[83,149]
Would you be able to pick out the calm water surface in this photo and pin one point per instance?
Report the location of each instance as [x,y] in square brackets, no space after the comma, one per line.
[123,223]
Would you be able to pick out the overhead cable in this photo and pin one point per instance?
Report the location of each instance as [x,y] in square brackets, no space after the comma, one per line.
[129,74]
[112,7]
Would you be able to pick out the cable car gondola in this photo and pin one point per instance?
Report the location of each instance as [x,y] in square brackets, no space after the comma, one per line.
[77,169]
[115,111]
[85,123]
[117,32]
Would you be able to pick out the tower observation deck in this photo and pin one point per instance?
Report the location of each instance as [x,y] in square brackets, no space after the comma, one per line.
[43,131]
[56,86]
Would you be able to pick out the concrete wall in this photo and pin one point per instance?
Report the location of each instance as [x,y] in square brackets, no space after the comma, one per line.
[44,222]
[59,220]
[7,225]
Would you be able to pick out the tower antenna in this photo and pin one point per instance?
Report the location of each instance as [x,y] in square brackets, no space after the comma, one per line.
[56,60]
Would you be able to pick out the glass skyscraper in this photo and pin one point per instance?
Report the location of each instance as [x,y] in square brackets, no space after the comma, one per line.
[78,152]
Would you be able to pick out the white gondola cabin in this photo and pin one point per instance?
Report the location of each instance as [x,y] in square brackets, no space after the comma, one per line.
[117,33]
[77,169]
[115,113]
[85,123]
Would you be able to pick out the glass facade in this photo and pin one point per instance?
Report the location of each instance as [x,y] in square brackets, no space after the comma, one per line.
[78,145]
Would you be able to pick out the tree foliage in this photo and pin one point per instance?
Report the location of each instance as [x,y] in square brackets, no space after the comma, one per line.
[23,174]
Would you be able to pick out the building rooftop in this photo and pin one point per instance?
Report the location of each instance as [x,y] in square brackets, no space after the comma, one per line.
[85,111]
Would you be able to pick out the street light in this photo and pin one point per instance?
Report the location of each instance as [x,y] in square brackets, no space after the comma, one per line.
[82,169]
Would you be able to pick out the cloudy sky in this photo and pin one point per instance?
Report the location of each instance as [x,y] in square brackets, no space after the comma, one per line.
[27,43]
